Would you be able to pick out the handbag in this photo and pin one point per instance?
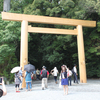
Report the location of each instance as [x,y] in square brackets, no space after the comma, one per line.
[60,86]
[69,73]
[32,78]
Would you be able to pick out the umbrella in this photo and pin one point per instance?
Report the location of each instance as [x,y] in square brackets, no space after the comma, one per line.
[15,69]
[29,68]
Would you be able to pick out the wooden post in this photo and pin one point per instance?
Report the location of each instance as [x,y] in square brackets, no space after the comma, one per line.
[24,47]
[81,55]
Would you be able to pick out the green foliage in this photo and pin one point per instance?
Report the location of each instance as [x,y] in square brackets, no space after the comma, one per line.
[19,5]
[1,5]
[9,38]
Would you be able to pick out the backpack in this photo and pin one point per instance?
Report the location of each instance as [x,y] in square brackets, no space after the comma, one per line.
[70,73]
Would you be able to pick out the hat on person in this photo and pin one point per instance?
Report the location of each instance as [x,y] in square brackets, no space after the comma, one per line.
[44,67]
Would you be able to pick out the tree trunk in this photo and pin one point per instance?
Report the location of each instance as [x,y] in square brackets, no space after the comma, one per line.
[6,5]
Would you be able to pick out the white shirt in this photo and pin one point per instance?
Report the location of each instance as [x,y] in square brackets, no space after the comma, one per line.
[75,70]
[55,72]
[63,75]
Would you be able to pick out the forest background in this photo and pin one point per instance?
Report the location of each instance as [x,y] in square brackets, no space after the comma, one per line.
[46,49]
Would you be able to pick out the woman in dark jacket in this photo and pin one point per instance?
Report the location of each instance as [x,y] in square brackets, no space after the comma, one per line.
[64,79]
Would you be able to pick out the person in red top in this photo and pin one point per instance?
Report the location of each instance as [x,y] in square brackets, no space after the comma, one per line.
[44,76]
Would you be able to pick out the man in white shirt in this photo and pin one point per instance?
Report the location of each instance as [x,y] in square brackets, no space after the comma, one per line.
[75,73]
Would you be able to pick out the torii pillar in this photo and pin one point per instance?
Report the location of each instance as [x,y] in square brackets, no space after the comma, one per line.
[24,47]
[81,55]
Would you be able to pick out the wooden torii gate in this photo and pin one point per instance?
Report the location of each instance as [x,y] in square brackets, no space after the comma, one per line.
[25,28]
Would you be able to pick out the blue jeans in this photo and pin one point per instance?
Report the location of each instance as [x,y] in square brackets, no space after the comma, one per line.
[38,77]
[55,78]
[28,83]
[69,80]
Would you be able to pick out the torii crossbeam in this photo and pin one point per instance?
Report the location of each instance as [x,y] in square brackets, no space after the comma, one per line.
[25,28]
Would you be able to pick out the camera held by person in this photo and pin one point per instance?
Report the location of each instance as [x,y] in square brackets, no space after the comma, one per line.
[3,91]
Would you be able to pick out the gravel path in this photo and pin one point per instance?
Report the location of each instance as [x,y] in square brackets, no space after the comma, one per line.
[85,91]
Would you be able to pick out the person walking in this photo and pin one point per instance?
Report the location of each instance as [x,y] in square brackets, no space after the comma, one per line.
[3,91]
[38,74]
[17,81]
[21,78]
[75,73]
[44,75]
[54,72]
[64,80]
[28,81]
[69,74]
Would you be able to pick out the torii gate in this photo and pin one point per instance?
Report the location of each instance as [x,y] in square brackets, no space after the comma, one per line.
[25,28]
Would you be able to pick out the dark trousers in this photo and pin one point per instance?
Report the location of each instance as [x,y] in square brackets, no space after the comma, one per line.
[69,81]
[38,77]
[55,78]
[75,78]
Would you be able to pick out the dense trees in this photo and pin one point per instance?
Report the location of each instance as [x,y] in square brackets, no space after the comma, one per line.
[46,49]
